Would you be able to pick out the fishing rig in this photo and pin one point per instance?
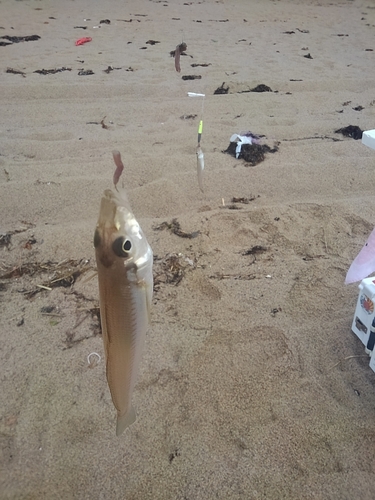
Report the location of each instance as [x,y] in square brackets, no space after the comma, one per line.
[199,152]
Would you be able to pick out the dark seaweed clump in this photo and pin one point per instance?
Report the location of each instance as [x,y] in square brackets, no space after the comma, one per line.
[350,131]
[18,39]
[251,153]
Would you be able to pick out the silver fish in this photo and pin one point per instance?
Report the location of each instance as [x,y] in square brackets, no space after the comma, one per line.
[124,260]
[200,167]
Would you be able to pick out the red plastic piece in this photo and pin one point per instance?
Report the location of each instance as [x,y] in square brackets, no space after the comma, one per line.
[81,41]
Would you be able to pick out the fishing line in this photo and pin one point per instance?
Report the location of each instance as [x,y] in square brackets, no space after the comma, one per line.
[200,125]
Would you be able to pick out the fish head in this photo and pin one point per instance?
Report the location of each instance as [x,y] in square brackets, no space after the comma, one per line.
[119,239]
[199,153]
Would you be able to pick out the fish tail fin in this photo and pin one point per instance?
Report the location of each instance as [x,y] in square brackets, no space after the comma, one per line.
[123,421]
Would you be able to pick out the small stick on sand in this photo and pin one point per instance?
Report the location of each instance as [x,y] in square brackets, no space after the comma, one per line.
[349,357]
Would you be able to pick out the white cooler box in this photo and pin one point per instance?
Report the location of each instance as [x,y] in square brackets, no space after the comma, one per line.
[368,138]
[372,361]
[364,316]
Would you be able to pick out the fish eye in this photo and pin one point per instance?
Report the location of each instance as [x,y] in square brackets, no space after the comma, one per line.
[121,246]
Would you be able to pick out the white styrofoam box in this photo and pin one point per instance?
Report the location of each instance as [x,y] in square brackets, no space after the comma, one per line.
[365,310]
[368,138]
[372,360]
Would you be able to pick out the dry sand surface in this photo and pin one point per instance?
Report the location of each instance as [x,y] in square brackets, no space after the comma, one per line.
[246,389]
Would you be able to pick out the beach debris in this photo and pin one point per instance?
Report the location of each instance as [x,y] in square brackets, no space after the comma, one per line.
[179,51]
[51,71]
[129,20]
[18,39]
[346,359]
[334,139]
[99,123]
[275,310]
[52,274]
[5,240]
[95,361]
[70,335]
[244,138]
[173,455]
[249,148]
[260,88]
[103,124]
[171,269]
[358,108]
[222,89]
[80,27]
[194,94]
[84,72]
[204,65]
[175,228]
[222,276]
[191,77]
[244,200]
[308,56]
[256,249]
[152,42]
[83,40]
[105,21]
[47,309]
[46,183]
[231,206]
[29,243]
[188,117]
[352,131]
[111,68]
[15,72]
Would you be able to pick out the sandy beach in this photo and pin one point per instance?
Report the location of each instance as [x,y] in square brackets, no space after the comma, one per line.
[252,384]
